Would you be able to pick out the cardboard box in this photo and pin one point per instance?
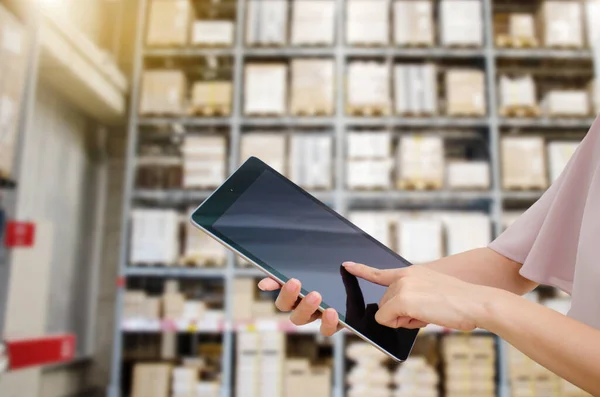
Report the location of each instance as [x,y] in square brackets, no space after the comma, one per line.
[463,174]
[168,345]
[269,147]
[566,103]
[461,23]
[169,22]
[377,224]
[559,154]
[159,172]
[415,89]
[213,33]
[243,298]
[367,22]
[248,363]
[369,174]
[420,161]
[163,92]
[320,381]
[517,91]
[266,22]
[521,25]
[311,160]
[313,22]
[592,14]
[413,23]
[465,92]
[419,239]
[272,358]
[561,24]
[212,94]
[523,163]
[204,161]
[151,380]
[265,89]
[154,236]
[369,85]
[466,231]
[173,305]
[296,376]
[262,309]
[369,145]
[312,87]
[201,249]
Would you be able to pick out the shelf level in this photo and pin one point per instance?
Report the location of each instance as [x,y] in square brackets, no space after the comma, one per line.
[182,196]
[542,53]
[434,195]
[174,272]
[547,122]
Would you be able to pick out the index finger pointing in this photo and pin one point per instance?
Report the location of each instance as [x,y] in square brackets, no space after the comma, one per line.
[377,276]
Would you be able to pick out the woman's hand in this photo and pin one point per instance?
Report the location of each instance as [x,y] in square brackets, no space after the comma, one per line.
[418,293]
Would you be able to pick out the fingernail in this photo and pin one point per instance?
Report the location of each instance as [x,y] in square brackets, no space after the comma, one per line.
[312,298]
[329,315]
[348,264]
[260,287]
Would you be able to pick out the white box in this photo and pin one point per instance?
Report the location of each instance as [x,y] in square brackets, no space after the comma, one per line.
[269,147]
[311,160]
[212,33]
[154,236]
[265,89]
[313,22]
[521,25]
[523,162]
[247,363]
[559,154]
[592,15]
[517,91]
[413,22]
[266,22]
[419,239]
[367,22]
[461,23]
[203,174]
[415,89]
[272,358]
[369,174]
[562,23]
[566,103]
[375,223]
[202,148]
[421,161]
[312,86]
[466,231]
[369,144]
[468,175]
[369,85]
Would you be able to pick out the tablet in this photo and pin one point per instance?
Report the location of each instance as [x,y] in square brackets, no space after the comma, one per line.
[287,233]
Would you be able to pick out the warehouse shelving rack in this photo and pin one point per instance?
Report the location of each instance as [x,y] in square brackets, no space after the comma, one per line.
[339,198]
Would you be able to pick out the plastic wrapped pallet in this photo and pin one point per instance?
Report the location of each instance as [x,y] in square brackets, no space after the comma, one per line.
[163,92]
[208,389]
[151,380]
[267,22]
[265,89]
[269,147]
[296,377]
[313,22]
[419,239]
[248,363]
[523,163]
[461,23]
[368,87]
[377,224]
[369,144]
[416,378]
[213,33]
[184,381]
[201,249]
[472,360]
[465,92]
[517,91]
[465,231]
[559,154]
[312,87]
[592,14]
[561,24]
[413,23]
[272,359]
[311,160]
[369,377]
[420,162]
[415,89]
[367,22]
[371,174]
[169,22]
[154,236]
[204,161]
[566,103]
[468,175]
[211,98]
[521,25]
[320,381]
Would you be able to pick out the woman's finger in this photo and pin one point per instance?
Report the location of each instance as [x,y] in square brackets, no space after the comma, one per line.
[377,276]
[329,322]
[303,313]
[288,296]
[389,316]
[414,324]
[268,284]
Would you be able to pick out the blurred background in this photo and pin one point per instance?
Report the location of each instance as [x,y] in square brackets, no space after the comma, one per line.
[431,124]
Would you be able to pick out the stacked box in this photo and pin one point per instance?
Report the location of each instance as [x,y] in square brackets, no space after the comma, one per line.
[369,376]
[466,231]
[523,163]
[265,89]
[200,249]
[266,22]
[159,172]
[154,236]
[247,363]
[184,382]
[416,378]
[420,161]
[212,95]
[213,33]
[269,147]
[296,377]
[561,24]
[367,22]
[370,162]
[312,87]
[592,13]
[415,89]
[133,304]
[470,365]
[517,91]
[521,25]
[461,23]
[204,161]
[272,359]
[566,103]
[173,305]
[377,224]
[262,309]
[465,92]
[413,23]
[208,389]
[313,22]
[419,238]
[151,380]
[559,154]
[311,160]
[319,382]
[12,82]
[243,298]
[163,92]
[369,86]
[169,22]
[465,175]
[193,311]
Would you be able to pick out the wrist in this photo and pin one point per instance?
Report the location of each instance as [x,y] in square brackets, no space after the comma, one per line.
[491,308]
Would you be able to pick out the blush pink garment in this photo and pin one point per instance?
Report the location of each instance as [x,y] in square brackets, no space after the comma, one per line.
[558,239]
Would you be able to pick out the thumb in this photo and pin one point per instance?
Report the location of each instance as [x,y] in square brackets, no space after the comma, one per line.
[377,276]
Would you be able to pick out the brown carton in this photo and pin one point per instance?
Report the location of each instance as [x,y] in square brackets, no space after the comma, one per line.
[312,87]
[163,92]
[211,97]
[151,380]
[169,22]
[465,92]
[523,163]
[561,24]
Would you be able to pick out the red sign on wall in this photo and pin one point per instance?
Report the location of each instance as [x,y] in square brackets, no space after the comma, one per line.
[19,234]
[25,353]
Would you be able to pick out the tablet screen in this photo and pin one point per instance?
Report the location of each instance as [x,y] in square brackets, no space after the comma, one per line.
[279,225]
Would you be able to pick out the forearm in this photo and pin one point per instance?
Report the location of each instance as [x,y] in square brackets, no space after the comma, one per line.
[484,266]
[565,346]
